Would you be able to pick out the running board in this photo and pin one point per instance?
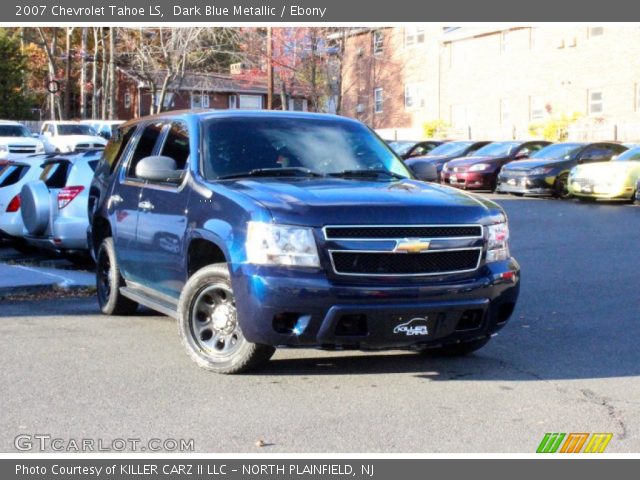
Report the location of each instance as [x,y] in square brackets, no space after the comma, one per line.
[142,298]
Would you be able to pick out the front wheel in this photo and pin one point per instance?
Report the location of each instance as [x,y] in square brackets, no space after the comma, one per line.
[457,349]
[560,187]
[208,324]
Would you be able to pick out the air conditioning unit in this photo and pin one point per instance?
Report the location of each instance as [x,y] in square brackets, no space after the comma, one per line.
[360,51]
[360,108]
[238,68]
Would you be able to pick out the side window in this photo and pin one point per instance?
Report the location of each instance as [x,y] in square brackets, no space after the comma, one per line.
[176,145]
[115,148]
[595,154]
[145,146]
[54,174]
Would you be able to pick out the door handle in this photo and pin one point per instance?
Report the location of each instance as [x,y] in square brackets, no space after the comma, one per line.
[146,205]
[114,200]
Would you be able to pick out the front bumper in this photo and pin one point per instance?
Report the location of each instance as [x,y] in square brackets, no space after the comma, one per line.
[590,189]
[285,308]
[469,180]
[525,185]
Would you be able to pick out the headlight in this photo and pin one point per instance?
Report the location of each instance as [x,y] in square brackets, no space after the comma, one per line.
[445,167]
[269,244]
[478,167]
[497,242]
[540,171]
[39,148]
[4,149]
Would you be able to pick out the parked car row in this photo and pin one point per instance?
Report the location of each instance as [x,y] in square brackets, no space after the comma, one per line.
[588,171]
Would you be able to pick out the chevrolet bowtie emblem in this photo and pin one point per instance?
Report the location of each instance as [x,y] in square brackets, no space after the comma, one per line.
[412,246]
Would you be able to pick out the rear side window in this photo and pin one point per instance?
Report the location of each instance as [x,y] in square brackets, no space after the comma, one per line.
[145,146]
[176,145]
[11,174]
[114,149]
[54,175]
[93,165]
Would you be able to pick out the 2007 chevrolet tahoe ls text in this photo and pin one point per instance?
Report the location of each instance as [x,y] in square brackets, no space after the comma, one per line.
[264,229]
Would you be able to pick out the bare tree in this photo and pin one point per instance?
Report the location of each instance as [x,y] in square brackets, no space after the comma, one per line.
[84,41]
[50,47]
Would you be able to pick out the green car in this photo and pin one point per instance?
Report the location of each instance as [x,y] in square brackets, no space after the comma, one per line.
[614,180]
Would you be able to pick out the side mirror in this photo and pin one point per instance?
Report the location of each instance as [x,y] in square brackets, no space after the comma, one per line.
[521,155]
[158,169]
[425,171]
[47,134]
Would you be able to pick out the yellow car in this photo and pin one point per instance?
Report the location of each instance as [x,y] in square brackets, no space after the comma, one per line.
[614,180]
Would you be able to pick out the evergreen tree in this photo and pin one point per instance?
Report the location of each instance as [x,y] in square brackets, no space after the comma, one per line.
[15,103]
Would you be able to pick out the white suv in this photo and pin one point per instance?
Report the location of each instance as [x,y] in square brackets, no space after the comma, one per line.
[65,137]
[16,141]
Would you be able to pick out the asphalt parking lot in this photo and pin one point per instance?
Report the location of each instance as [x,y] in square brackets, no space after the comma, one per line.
[568,361]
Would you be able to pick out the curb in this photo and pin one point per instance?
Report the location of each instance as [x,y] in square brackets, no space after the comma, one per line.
[6,292]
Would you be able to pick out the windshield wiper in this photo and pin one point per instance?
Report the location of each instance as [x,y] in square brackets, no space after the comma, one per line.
[375,173]
[273,172]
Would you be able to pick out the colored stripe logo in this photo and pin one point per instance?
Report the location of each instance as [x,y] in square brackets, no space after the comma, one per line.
[574,442]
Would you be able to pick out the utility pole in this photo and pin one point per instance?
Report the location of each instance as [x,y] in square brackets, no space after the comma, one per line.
[269,69]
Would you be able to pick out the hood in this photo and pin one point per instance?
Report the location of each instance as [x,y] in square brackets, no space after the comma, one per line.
[76,139]
[601,169]
[532,163]
[21,141]
[336,201]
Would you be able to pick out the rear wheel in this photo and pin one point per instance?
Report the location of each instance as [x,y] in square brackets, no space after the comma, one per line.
[208,324]
[108,282]
[457,349]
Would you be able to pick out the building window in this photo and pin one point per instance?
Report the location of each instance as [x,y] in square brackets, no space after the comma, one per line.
[596,105]
[168,100]
[596,31]
[378,38]
[413,96]
[377,99]
[127,100]
[413,36]
[505,112]
[505,41]
[298,104]
[246,102]
[536,108]
[199,100]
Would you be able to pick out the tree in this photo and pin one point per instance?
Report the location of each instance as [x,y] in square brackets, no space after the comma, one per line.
[15,103]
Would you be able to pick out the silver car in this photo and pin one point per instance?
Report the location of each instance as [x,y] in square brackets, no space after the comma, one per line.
[14,174]
[54,208]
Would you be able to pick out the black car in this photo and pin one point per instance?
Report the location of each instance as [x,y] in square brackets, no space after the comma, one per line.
[411,148]
[437,157]
[546,172]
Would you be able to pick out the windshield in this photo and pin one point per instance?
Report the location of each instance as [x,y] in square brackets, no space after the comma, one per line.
[75,130]
[558,151]
[14,131]
[629,155]
[233,146]
[497,149]
[451,148]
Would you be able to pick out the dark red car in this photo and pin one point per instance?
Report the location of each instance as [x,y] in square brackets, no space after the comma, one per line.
[480,171]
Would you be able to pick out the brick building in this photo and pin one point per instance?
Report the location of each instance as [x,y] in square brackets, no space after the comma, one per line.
[201,90]
[495,82]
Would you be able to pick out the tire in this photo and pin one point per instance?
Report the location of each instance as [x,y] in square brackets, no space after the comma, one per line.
[560,189]
[457,349]
[108,282]
[219,348]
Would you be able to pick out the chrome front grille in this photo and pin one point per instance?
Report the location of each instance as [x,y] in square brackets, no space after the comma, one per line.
[22,149]
[441,249]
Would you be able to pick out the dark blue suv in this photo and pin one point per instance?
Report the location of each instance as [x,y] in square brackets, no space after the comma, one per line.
[264,229]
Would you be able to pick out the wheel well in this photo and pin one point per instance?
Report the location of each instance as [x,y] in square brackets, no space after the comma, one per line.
[203,253]
[99,231]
